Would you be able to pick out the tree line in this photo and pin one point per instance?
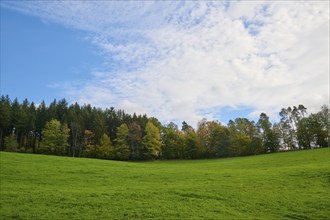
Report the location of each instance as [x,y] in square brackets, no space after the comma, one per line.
[85,131]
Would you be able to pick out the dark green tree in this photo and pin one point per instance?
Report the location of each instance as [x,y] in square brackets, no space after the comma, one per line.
[5,107]
[313,131]
[192,145]
[75,122]
[41,120]
[171,141]
[10,143]
[305,134]
[214,138]
[98,125]
[135,141]
[269,136]
[244,137]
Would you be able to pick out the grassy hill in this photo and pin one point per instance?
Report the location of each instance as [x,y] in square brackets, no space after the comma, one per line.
[291,185]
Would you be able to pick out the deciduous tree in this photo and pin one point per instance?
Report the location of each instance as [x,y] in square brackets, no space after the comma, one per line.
[151,141]
[121,148]
[55,137]
[269,135]
[104,149]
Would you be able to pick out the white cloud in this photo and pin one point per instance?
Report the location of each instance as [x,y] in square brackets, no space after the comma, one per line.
[179,59]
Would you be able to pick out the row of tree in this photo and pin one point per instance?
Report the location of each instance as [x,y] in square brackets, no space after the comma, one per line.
[86,131]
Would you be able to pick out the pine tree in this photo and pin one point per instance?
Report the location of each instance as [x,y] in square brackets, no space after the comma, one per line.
[4,117]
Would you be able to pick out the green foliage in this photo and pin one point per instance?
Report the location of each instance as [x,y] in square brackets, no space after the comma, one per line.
[193,145]
[171,142]
[55,137]
[214,137]
[82,129]
[312,131]
[244,138]
[104,149]
[290,118]
[121,149]
[10,143]
[4,117]
[151,141]
[135,141]
[239,144]
[89,144]
[291,185]
[4,112]
[269,135]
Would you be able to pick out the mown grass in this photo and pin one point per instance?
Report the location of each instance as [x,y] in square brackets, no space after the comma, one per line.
[291,185]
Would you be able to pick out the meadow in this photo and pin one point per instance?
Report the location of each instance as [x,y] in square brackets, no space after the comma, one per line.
[290,185]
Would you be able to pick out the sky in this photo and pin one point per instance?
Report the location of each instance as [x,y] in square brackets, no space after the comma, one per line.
[173,60]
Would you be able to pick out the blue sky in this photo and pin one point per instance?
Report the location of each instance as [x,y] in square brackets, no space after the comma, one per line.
[36,55]
[174,60]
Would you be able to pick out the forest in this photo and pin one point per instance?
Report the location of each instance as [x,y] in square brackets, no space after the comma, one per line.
[85,131]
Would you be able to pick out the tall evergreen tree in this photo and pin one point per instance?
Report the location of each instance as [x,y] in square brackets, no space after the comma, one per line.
[4,118]
[41,120]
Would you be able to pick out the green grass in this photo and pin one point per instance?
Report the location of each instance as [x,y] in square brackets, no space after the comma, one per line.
[291,185]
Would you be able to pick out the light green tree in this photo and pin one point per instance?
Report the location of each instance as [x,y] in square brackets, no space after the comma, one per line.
[55,137]
[104,149]
[151,141]
[121,149]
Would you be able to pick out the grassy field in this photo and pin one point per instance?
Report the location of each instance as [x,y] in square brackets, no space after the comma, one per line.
[292,185]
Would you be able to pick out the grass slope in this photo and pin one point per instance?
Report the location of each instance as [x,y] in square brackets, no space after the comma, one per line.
[292,185]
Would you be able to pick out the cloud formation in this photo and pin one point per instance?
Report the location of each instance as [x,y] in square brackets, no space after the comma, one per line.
[189,60]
